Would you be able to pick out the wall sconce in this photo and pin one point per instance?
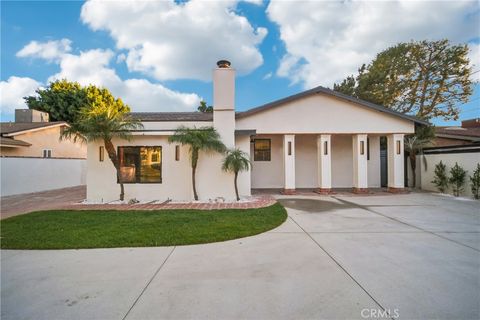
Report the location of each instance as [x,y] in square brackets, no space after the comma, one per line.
[101,153]
[362,147]
[289,148]
[399,147]
[325,147]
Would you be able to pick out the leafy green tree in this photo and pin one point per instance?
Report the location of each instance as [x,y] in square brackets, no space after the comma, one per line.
[425,78]
[204,108]
[236,161]
[103,118]
[62,99]
[198,139]
[441,179]
[475,182]
[457,179]
[414,145]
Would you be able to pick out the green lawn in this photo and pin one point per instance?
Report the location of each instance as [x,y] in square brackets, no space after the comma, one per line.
[69,229]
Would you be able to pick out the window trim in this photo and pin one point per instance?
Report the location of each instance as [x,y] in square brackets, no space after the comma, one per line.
[139,182]
[269,149]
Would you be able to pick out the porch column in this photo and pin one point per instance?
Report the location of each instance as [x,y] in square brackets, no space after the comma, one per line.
[324,155]
[395,162]
[360,164]
[289,163]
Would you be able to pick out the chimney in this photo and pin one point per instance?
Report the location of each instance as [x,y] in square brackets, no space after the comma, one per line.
[30,115]
[224,102]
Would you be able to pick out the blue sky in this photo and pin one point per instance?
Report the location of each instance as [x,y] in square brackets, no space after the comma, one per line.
[160,58]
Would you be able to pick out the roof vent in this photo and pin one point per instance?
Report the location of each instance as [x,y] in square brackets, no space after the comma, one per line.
[223,64]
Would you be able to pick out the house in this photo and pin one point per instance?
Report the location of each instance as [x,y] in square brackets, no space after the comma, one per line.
[318,139]
[32,135]
[467,133]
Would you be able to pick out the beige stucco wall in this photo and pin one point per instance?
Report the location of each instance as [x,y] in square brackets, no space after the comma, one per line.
[47,138]
[176,184]
[269,174]
[468,161]
[323,114]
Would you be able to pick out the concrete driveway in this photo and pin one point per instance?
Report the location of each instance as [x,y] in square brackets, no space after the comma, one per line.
[416,256]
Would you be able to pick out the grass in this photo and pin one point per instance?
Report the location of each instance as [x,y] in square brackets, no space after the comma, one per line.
[70,229]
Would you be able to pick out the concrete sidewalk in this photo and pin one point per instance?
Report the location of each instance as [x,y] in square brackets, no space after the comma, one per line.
[417,255]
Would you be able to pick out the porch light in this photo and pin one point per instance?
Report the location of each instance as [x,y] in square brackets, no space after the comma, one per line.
[101,153]
[362,147]
[325,147]
[399,145]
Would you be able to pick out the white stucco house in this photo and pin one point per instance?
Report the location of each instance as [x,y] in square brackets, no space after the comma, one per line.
[318,139]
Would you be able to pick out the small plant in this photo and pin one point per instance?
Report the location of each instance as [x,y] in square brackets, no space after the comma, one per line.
[475,182]
[457,179]
[441,179]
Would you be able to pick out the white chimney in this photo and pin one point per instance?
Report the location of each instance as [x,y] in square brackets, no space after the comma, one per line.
[224,102]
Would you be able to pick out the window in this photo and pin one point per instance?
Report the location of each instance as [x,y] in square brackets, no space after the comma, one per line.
[262,150]
[47,153]
[177,153]
[368,149]
[101,153]
[140,164]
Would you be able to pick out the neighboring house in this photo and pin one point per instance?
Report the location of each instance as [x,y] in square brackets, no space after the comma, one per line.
[318,139]
[32,135]
[467,133]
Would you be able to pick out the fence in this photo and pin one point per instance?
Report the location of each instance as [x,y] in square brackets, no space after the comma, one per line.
[24,174]
[467,156]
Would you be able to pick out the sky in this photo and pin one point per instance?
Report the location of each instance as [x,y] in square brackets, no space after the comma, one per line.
[159,55]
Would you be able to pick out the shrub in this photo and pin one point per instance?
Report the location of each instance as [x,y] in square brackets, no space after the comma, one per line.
[457,179]
[441,179]
[475,182]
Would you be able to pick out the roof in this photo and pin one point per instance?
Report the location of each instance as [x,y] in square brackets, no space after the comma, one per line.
[461,133]
[17,127]
[172,116]
[323,90]
[12,142]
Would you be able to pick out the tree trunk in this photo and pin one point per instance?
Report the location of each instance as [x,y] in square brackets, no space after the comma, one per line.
[236,187]
[194,169]
[112,154]
[413,165]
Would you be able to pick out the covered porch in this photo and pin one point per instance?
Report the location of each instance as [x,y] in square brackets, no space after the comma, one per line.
[324,162]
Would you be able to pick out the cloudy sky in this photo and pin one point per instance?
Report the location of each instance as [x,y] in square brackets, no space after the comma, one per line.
[158,55]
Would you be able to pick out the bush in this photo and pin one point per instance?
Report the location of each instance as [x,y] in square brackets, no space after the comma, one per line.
[457,179]
[441,179]
[475,182]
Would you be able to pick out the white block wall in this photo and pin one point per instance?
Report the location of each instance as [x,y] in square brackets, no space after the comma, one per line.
[26,175]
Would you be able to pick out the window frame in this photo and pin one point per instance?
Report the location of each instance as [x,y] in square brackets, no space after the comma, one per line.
[263,150]
[139,147]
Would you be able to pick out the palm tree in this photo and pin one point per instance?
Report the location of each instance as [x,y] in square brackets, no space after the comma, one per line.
[236,161]
[198,139]
[414,144]
[103,118]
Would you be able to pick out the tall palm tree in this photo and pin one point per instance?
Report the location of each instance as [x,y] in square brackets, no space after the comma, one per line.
[103,118]
[198,139]
[236,161]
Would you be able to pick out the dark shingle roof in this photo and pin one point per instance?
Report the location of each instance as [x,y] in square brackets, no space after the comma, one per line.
[173,116]
[13,127]
[323,90]
[12,142]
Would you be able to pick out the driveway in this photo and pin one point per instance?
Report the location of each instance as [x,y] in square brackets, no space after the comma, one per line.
[341,257]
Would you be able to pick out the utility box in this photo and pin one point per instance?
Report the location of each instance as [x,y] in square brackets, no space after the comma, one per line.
[31,115]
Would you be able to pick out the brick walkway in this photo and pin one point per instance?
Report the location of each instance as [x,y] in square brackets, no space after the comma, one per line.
[257,202]
[45,200]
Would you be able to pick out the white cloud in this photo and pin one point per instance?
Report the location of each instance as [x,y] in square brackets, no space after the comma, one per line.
[12,92]
[51,50]
[326,40]
[92,67]
[267,76]
[474,56]
[170,40]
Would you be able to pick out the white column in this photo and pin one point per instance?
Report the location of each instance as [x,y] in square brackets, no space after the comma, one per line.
[289,163]
[360,164]
[324,164]
[395,162]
